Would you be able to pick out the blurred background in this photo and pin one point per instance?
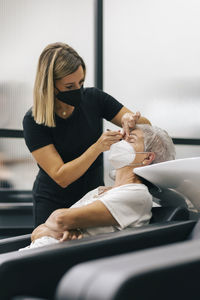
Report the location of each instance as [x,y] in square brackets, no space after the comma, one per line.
[151,63]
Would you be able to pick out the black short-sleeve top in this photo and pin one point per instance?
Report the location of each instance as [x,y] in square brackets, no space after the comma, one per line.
[71,137]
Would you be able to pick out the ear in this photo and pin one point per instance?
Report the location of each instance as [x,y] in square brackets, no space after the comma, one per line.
[148,160]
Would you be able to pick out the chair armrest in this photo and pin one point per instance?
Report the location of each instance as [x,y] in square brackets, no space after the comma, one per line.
[168,272]
[14,243]
[46,265]
[166,214]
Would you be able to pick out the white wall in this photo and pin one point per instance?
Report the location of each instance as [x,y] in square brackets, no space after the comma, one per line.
[152,60]
[152,63]
[26,27]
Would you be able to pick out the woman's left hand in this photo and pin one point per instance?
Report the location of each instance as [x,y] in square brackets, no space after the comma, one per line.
[129,121]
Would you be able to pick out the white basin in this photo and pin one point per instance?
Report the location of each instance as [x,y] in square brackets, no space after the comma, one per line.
[177,179]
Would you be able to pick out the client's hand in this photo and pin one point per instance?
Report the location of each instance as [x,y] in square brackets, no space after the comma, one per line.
[43,230]
[71,235]
[129,121]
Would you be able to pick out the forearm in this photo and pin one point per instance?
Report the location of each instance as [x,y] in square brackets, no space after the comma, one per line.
[71,171]
[143,120]
[64,174]
[91,215]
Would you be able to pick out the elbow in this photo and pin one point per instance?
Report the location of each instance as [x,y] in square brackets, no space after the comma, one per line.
[62,184]
[62,177]
[60,181]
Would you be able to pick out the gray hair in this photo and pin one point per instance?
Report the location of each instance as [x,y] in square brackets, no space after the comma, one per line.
[158,141]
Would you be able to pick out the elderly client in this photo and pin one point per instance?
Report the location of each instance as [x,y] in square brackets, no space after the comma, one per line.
[107,209]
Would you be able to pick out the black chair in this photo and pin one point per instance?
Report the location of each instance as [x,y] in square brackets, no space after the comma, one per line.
[16,212]
[167,272]
[16,206]
[27,298]
[37,272]
[15,196]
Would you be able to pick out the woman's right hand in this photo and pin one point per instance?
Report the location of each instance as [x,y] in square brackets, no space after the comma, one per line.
[107,139]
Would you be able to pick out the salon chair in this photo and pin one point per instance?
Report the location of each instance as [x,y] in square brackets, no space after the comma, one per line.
[15,196]
[37,272]
[16,216]
[27,298]
[61,257]
[176,182]
[167,272]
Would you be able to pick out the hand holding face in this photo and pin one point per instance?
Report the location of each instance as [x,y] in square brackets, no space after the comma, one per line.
[107,139]
[129,120]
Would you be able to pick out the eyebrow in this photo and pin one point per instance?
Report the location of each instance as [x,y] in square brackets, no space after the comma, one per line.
[133,134]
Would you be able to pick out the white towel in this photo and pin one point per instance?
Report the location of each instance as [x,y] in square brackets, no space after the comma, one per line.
[41,242]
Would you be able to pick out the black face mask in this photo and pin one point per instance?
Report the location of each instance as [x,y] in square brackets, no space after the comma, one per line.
[72,98]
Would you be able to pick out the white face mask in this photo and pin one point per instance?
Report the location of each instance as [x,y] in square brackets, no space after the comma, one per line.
[122,154]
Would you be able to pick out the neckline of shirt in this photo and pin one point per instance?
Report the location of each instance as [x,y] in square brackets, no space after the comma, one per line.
[128,184]
[68,118]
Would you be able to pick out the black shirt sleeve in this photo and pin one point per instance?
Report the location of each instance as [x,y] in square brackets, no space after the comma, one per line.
[108,106]
[36,136]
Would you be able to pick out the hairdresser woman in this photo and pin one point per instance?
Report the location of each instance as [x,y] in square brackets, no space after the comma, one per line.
[63,130]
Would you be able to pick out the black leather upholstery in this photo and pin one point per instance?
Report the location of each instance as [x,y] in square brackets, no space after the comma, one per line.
[169,272]
[15,196]
[36,272]
[14,243]
[27,298]
[16,212]
[160,214]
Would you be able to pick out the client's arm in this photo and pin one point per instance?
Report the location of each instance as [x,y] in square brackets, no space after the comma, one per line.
[43,230]
[91,215]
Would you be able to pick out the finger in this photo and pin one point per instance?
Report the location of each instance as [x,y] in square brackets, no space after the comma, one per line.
[131,124]
[126,128]
[113,131]
[138,114]
[109,132]
[80,236]
[123,133]
[111,141]
[116,137]
[66,236]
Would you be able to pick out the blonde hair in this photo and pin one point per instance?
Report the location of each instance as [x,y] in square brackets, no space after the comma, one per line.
[55,62]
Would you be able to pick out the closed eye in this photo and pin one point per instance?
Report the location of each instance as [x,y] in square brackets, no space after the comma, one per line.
[69,87]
